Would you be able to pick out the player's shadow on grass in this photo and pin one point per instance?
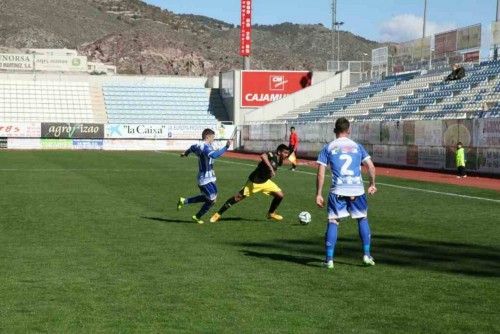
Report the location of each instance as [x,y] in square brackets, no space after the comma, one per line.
[452,257]
[189,221]
[439,256]
[283,257]
[167,220]
[304,260]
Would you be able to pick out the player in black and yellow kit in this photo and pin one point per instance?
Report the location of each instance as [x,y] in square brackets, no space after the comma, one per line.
[260,181]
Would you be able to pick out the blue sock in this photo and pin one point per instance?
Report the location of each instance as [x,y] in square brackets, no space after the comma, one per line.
[204,209]
[195,199]
[330,240]
[364,234]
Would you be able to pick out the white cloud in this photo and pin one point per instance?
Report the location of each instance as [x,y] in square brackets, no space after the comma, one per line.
[405,27]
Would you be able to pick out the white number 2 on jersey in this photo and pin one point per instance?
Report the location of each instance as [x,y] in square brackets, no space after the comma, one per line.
[345,167]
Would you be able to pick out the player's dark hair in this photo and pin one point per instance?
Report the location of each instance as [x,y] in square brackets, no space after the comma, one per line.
[460,143]
[292,128]
[206,133]
[282,147]
[341,125]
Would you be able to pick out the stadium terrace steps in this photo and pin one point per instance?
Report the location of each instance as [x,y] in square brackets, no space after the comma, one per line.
[157,103]
[336,107]
[469,97]
[308,107]
[45,101]
[476,99]
[393,94]
[26,98]
[411,97]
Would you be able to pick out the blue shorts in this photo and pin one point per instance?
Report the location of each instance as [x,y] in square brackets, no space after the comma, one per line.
[209,190]
[341,206]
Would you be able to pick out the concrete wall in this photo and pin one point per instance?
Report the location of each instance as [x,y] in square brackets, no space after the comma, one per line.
[319,76]
[231,94]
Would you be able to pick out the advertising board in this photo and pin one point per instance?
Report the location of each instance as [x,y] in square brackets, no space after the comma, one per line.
[259,88]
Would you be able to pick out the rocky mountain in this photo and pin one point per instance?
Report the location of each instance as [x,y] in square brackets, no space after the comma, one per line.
[140,38]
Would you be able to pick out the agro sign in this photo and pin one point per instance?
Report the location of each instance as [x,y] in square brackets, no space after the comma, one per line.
[259,88]
[73,130]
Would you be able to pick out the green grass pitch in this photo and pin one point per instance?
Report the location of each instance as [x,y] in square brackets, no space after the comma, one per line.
[91,242]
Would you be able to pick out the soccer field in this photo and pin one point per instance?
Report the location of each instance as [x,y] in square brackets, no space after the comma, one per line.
[92,242]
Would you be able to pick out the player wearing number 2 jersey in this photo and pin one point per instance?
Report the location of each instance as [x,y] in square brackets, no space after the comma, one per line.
[347,193]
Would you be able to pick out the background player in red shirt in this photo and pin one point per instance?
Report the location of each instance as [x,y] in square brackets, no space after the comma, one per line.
[293,144]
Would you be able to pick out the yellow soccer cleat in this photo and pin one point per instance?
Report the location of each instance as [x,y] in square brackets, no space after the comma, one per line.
[180,203]
[197,220]
[274,216]
[215,218]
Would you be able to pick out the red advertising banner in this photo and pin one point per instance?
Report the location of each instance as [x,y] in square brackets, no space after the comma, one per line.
[471,56]
[412,155]
[445,42]
[246,28]
[398,68]
[259,88]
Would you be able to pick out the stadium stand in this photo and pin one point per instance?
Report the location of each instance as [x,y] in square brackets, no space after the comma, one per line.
[27,98]
[330,97]
[482,89]
[45,101]
[413,97]
[363,93]
[165,100]
[154,104]
[391,95]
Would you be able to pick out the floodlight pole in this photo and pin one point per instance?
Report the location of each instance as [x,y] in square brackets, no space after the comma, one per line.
[425,18]
[334,20]
[338,25]
[423,35]
[495,50]
[338,46]
[498,10]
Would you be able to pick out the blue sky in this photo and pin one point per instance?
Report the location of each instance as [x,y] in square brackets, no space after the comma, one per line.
[380,20]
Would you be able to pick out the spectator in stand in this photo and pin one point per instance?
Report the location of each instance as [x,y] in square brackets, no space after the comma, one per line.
[457,73]
[460,160]
[306,80]
[293,144]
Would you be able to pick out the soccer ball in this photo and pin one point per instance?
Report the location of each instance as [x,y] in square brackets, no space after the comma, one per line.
[304,217]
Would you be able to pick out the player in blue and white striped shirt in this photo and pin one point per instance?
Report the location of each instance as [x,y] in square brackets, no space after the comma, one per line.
[347,193]
[206,175]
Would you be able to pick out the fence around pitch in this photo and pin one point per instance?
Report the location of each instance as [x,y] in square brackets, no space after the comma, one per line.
[92,136]
[421,144]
